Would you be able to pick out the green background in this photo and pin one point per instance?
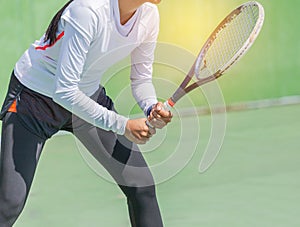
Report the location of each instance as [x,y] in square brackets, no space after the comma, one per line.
[269,70]
[254,181]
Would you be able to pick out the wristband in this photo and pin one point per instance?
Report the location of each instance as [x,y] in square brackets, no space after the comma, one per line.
[149,110]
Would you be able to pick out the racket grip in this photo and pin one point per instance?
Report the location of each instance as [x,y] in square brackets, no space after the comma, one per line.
[167,106]
[149,124]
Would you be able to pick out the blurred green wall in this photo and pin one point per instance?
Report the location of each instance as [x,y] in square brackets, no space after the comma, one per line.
[269,70]
[272,66]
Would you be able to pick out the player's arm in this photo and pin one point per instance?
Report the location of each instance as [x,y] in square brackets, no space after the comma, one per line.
[74,49]
[143,89]
[142,59]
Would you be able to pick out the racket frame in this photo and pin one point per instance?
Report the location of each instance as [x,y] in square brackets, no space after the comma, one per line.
[184,88]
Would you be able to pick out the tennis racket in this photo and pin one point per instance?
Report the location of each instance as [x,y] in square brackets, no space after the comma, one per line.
[225,46]
[231,40]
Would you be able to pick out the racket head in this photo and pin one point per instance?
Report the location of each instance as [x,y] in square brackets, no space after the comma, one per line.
[230,41]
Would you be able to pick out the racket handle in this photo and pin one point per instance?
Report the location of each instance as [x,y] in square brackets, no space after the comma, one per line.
[149,124]
[167,106]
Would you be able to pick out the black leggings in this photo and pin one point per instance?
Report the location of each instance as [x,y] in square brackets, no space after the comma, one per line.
[24,134]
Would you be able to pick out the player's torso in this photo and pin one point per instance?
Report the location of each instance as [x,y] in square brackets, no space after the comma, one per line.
[107,48]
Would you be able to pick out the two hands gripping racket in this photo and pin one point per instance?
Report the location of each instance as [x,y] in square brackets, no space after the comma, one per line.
[158,117]
[231,39]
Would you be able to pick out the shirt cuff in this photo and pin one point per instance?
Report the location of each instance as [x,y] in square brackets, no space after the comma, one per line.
[149,110]
[122,128]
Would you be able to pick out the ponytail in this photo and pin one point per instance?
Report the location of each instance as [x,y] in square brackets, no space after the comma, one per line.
[50,34]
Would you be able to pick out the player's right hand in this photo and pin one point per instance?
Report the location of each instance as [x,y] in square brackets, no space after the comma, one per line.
[159,116]
[138,132]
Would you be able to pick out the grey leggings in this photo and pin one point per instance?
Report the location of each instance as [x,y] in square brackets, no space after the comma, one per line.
[24,134]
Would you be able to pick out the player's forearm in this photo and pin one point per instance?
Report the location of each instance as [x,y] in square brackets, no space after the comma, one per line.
[144,93]
[87,109]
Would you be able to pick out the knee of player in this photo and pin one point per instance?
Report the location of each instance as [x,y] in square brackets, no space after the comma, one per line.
[11,205]
[148,192]
[138,193]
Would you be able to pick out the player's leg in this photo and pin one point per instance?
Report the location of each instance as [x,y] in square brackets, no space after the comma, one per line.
[20,151]
[138,185]
[125,163]
[123,160]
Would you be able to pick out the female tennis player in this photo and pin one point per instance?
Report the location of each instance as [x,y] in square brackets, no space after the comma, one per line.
[55,86]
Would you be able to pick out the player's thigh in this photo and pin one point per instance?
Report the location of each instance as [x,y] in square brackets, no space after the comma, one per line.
[20,152]
[121,158]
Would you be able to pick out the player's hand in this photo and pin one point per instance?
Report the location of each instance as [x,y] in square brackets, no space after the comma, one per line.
[138,132]
[159,116]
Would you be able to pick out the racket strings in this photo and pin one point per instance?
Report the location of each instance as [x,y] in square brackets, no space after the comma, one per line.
[229,40]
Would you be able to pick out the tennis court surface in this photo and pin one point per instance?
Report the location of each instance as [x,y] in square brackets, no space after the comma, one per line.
[254,181]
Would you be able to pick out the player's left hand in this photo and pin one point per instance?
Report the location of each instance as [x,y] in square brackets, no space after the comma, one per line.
[159,116]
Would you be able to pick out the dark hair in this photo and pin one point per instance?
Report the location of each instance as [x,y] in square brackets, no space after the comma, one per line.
[50,34]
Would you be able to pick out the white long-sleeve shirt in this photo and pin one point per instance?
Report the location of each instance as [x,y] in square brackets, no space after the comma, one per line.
[88,43]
